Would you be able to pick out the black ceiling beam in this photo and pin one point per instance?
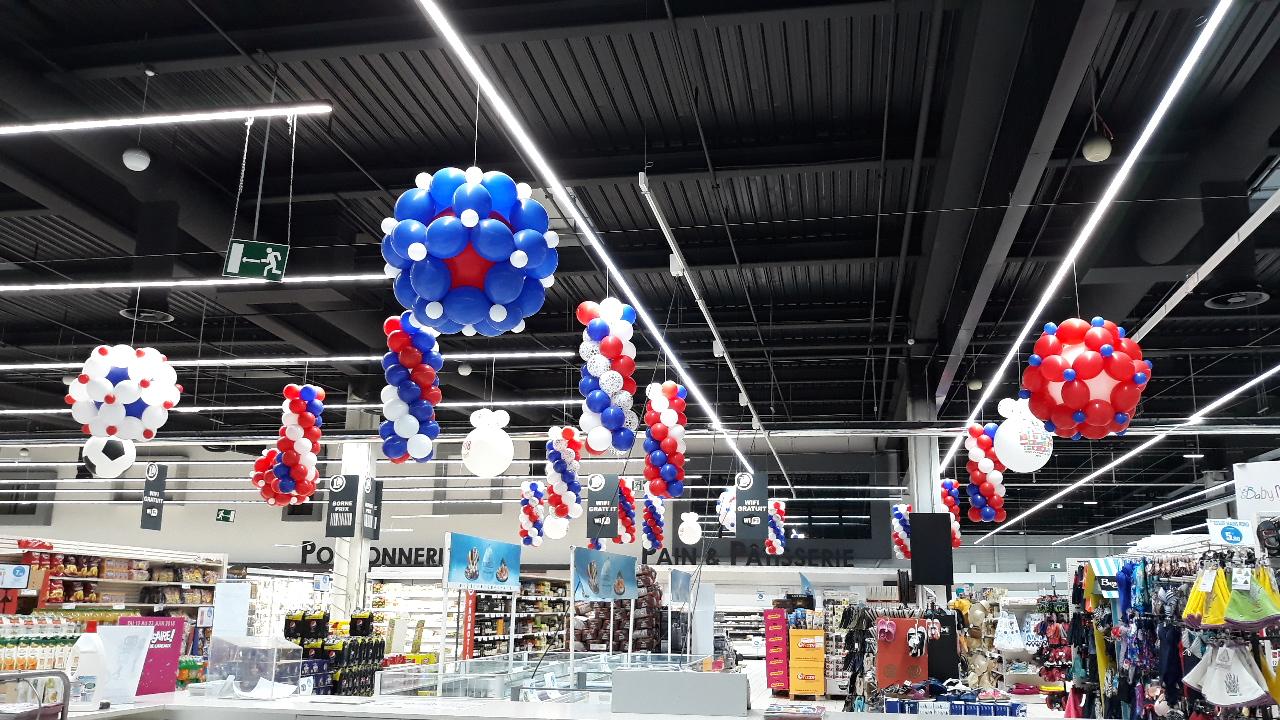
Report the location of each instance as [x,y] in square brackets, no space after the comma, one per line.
[1022,143]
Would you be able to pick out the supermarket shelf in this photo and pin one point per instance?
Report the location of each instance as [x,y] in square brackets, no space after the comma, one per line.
[146,583]
[121,606]
[489,638]
[542,597]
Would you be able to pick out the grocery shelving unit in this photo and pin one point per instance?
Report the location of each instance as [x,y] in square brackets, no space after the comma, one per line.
[745,629]
[275,593]
[542,613]
[408,607]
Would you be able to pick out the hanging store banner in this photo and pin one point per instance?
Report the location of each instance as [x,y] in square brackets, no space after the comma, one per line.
[752,505]
[1257,490]
[153,496]
[475,563]
[600,575]
[372,526]
[602,507]
[340,513]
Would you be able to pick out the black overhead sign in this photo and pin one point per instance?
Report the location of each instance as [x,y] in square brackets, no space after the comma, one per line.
[340,517]
[752,505]
[153,496]
[602,507]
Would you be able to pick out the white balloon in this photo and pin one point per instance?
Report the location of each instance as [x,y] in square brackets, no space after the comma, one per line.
[623,399]
[130,429]
[479,418]
[302,445]
[629,349]
[986,465]
[487,451]
[500,418]
[669,417]
[660,403]
[575,511]
[294,432]
[677,431]
[78,391]
[680,444]
[970,444]
[388,394]
[288,419]
[1022,443]
[611,310]
[121,355]
[83,410]
[631,420]
[111,414]
[598,365]
[622,330]
[419,446]
[394,410]
[589,421]
[653,390]
[406,426]
[126,391]
[588,349]
[1000,491]
[556,527]
[611,381]
[98,388]
[599,438]
[995,476]
[977,454]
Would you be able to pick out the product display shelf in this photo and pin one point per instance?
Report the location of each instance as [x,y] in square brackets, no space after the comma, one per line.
[275,593]
[744,627]
[542,614]
[834,604]
[411,614]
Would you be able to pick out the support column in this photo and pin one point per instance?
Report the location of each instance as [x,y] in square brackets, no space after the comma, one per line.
[922,460]
[351,555]
[1214,478]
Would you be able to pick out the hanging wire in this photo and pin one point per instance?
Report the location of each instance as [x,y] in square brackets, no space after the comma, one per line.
[146,86]
[262,168]
[475,143]
[244,162]
[293,121]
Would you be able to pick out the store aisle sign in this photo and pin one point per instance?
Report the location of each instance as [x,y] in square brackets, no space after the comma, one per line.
[476,563]
[1231,533]
[313,553]
[602,506]
[340,514]
[1257,490]
[153,496]
[257,260]
[600,575]
[801,552]
[752,505]
[15,577]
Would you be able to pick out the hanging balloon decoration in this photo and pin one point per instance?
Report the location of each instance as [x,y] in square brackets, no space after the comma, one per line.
[470,252]
[986,475]
[412,392]
[727,510]
[595,544]
[951,497]
[487,451]
[532,512]
[690,530]
[664,442]
[1085,379]
[287,474]
[626,514]
[1021,441]
[608,363]
[900,519]
[776,542]
[564,492]
[122,393]
[654,522]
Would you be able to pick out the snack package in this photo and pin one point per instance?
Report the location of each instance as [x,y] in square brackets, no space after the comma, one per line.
[91,592]
[74,591]
[163,573]
[56,592]
[71,566]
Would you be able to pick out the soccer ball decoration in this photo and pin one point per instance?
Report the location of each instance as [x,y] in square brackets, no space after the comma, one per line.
[470,251]
[1021,441]
[108,457]
[532,512]
[487,451]
[287,474]
[1085,379]
[726,509]
[776,542]
[563,491]
[654,522]
[986,475]
[608,363]
[690,530]
[900,519]
[409,399]
[125,393]
[664,443]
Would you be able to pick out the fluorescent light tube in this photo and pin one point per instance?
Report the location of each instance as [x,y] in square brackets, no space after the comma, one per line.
[199,116]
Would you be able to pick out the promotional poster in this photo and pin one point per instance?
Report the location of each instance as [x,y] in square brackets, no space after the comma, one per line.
[160,668]
[599,575]
[475,563]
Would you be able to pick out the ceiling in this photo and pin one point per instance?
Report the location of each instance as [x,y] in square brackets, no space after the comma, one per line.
[872,195]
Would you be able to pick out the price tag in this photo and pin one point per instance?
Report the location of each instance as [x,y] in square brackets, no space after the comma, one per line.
[157,608]
[186,586]
[117,607]
[1241,578]
[1206,580]
[68,606]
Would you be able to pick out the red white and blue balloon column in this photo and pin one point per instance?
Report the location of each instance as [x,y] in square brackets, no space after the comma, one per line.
[287,475]
[776,542]
[609,362]
[664,442]
[563,491]
[654,522]
[470,251]
[900,520]
[727,509]
[1085,379]
[951,497]
[626,514]
[986,475]
[412,391]
[532,512]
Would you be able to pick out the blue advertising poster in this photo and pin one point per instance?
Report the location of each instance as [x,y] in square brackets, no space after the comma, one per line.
[599,575]
[681,586]
[806,587]
[475,563]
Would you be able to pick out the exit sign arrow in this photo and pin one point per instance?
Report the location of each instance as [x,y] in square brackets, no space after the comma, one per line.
[225,515]
[257,260]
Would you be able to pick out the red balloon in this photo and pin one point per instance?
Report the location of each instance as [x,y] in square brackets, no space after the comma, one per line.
[411,357]
[1062,417]
[1116,427]
[305,487]
[468,268]
[1075,393]
[956,543]
[588,310]
[996,502]
[624,365]
[1129,346]
[291,391]
[975,430]
[658,487]
[629,384]
[423,380]
[678,404]
[681,419]
[1094,432]
[611,347]
[975,514]
[999,465]
[1031,380]
[1052,367]
[267,493]
[284,444]
[400,460]
[652,417]
[669,444]
[319,393]
[1120,366]
[1072,331]
[1041,404]
[971,466]
[1140,366]
[313,434]
[1125,396]
[976,476]
[306,419]
[261,464]
[1048,345]
[987,489]
[984,441]
[1001,515]
[1065,432]
[1087,365]
[297,405]
[1099,412]
[290,458]
[670,388]
[298,472]
[659,431]
[651,472]
[955,509]
[680,477]
[399,340]
[1113,329]
[433,395]
[391,325]
[676,459]
[1096,337]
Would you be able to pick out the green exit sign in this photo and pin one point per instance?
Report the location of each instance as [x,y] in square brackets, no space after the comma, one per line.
[225,515]
[257,260]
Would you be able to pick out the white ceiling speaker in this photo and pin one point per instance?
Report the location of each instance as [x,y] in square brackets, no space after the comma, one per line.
[1096,149]
[136,159]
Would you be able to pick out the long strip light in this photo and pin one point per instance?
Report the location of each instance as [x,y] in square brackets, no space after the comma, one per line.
[302,360]
[1195,419]
[1142,515]
[191,282]
[1207,31]
[1181,531]
[198,116]
[328,406]
[553,185]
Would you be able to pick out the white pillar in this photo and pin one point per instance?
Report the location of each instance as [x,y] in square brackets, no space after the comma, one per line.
[351,555]
[922,461]
[1214,478]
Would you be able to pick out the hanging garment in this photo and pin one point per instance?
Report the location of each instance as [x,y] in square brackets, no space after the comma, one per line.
[1032,639]
[1228,677]
[1207,604]
[1008,637]
[1257,606]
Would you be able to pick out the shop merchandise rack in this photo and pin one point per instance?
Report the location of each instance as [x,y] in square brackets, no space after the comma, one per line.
[275,593]
[744,627]
[410,613]
[834,604]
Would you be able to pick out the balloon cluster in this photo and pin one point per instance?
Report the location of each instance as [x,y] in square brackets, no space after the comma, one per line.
[532,512]
[690,530]
[595,544]
[123,392]
[1085,379]
[287,474]
[626,514]
[608,363]
[564,492]
[986,475]
[664,444]
[470,251]
[776,542]
[487,451]
[1022,442]
[412,391]
[901,521]
[654,522]
[727,509]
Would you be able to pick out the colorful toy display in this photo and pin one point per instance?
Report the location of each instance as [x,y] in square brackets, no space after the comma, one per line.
[608,364]
[411,368]
[286,475]
[664,443]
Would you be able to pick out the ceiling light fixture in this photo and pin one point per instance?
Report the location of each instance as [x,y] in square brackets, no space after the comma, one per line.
[1207,31]
[179,283]
[552,185]
[1193,420]
[1194,456]
[328,406]
[301,359]
[1151,512]
[1180,531]
[283,110]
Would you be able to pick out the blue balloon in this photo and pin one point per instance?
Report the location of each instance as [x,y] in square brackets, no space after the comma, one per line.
[990,429]
[444,183]
[407,325]
[431,429]
[528,214]
[545,268]
[415,204]
[978,501]
[472,196]
[650,445]
[502,191]
[682,392]
[408,232]
[487,328]
[669,472]
[597,401]
[391,257]
[436,361]
[135,408]
[315,407]
[397,375]
[307,393]
[587,385]
[288,484]
[319,421]
[598,329]
[628,314]
[657,458]
[394,446]
[421,410]
[583,370]
[281,470]
[988,514]
[623,438]
[675,487]
[531,298]
[403,290]
[493,240]
[973,489]
[424,343]
[390,359]
[447,236]
[386,429]
[613,417]
[559,466]
[534,245]
[466,305]
[511,320]
[503,283]
[430,278]
[554,455]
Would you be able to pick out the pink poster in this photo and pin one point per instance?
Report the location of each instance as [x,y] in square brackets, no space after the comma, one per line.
[160,670]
